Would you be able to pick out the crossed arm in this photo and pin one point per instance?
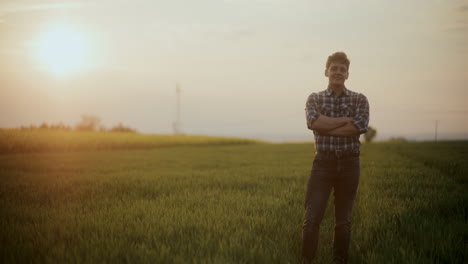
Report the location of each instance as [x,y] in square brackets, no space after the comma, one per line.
[335,126]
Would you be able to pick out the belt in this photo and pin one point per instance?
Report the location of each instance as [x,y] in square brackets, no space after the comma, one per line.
[339,153]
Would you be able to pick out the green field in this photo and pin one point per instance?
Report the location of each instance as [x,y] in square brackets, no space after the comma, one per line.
[22,141]
[222,202]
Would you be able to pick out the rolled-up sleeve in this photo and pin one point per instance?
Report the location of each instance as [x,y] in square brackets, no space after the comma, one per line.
[311,110]
[361,117]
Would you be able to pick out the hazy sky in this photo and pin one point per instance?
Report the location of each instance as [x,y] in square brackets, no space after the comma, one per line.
[245,67]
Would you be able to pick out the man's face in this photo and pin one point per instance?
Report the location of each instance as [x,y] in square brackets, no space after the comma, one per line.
[337,73]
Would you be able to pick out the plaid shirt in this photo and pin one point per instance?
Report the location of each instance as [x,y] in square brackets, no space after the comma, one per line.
[348,104]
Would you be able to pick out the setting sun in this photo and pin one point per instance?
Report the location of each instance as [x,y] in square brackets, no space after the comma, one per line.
[62,49]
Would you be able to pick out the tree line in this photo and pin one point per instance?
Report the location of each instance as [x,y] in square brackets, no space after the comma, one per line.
[87,123]
[93,123]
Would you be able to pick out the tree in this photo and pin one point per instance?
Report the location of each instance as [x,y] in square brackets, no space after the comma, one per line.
[44,126]
[370,134]
[122,128]
[88,123]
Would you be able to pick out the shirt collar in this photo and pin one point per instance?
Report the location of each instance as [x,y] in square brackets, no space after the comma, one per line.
[330,92]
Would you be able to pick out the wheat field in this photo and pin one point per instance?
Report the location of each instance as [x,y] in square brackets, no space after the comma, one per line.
[222,201]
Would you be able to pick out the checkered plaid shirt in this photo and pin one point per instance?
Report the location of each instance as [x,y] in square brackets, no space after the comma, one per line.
[348,104]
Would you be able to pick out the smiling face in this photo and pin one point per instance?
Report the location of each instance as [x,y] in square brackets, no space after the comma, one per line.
[337,74]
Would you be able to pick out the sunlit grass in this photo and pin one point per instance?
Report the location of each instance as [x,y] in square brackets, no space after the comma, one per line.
[225,204]
[16,140]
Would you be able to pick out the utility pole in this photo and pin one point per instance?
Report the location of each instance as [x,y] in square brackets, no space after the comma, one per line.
[436,125]
[176,124]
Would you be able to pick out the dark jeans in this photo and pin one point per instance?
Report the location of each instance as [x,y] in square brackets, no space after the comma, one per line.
[341,174]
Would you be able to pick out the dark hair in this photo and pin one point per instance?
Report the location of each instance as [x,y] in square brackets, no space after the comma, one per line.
[338,57]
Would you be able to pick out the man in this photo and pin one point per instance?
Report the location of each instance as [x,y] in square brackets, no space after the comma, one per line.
[337,117]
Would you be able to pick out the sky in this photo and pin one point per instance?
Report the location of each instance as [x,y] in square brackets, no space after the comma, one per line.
[245,67]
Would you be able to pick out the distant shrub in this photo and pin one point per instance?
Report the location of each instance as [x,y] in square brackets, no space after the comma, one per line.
[59,126]
[370,134]
[30,127]
[44,126]
[88,123]
[398,140]
[122,128]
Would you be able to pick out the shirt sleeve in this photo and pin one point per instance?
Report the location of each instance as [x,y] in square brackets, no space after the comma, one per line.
[311,110]
[361,117]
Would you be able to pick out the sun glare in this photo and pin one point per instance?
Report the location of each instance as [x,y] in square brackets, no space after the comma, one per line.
[62,49]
